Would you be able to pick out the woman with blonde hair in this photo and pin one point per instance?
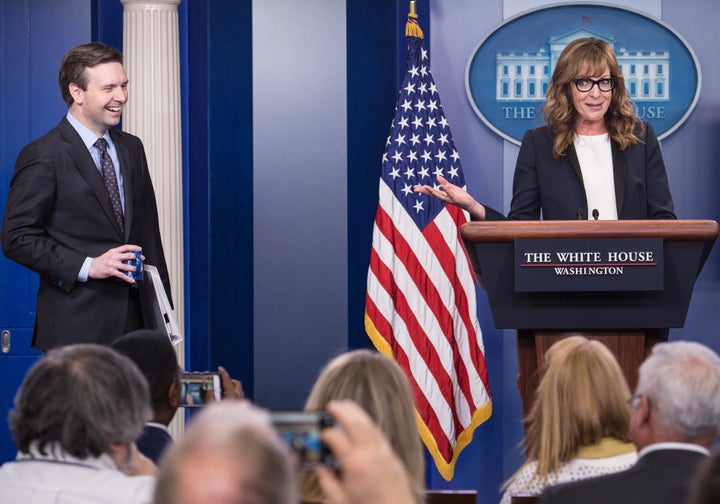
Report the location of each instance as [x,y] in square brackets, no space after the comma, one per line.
[578,426]
[380,387]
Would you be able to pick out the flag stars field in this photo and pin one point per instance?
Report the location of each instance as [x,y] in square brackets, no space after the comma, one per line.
[419,120]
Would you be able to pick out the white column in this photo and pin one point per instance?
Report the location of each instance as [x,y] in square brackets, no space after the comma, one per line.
[151,57]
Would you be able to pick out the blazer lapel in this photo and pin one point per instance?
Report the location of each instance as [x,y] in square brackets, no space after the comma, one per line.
[575,162]
[619,176]
[87,169]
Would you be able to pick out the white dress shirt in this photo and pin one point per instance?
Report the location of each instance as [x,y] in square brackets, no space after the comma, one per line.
[58,478]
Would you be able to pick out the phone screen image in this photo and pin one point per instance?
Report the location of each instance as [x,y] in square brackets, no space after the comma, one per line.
[301,431]
[195,386]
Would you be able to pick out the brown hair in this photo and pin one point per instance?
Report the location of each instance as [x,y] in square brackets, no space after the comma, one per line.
[77,59]
[588,57]
[381,388]
[582,397]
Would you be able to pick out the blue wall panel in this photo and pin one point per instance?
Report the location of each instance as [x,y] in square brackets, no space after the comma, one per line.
[375,64]
[32,44]
[300,188]
[229,187]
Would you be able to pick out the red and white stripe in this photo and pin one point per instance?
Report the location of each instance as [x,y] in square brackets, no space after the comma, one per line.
[421,309]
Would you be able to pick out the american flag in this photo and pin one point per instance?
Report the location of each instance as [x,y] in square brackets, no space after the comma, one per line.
[420,303]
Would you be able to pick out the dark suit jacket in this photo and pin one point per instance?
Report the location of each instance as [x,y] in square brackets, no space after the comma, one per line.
[58,212]
[153,441]
[662,476]
[556,186]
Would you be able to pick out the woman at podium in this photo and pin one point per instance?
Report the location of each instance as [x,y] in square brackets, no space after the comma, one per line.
[594,158]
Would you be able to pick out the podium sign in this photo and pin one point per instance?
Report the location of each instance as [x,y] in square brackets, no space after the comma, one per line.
[685,246]
[628,322]
[587,264]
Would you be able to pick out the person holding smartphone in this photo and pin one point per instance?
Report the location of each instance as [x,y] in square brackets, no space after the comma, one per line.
[372,473]
[153,353]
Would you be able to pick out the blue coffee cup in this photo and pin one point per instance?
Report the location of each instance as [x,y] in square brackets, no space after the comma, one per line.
[136,274]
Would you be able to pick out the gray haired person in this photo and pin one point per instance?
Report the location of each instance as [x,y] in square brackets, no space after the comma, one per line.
[76,416]
[674,421]
[229,453]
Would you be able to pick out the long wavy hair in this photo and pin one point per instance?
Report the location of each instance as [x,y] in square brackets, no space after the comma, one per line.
[587,57]
[582,398]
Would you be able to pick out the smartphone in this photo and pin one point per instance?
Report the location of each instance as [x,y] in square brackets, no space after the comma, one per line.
[195,386]
[301,431]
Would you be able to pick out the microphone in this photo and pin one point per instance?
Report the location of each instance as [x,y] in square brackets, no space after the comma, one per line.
[596,214]
[580,214]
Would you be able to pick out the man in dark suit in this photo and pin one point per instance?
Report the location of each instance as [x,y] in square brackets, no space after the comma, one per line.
[80,203]
[155,356]
[674,420]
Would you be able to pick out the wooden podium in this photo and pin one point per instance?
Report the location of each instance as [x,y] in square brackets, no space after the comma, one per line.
[629,322]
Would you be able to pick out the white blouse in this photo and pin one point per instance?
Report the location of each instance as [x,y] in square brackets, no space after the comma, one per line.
[595,155]
[525,481]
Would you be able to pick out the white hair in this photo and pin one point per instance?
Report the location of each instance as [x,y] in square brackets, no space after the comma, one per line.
[682,381]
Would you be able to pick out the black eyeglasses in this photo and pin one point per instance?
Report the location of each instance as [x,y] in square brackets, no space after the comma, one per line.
[585,85]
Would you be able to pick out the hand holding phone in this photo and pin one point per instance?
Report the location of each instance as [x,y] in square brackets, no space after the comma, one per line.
[301,430]
[372,471]
[231,389]
[197,389]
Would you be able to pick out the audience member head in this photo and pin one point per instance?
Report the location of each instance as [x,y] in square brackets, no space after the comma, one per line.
[372,472]
[82,399]
[582,397]
[79,58]
[230,454]
[155,356]
[678,395]
[380,387]
[587,58]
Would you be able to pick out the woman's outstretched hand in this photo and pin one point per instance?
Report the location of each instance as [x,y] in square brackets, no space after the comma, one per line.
[454,195]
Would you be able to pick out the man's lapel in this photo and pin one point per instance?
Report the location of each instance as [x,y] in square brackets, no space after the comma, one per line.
[87,169]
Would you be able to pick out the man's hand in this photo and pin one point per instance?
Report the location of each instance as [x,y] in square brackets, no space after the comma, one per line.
[110,264]
[371,471]
[232,389]
[129,460]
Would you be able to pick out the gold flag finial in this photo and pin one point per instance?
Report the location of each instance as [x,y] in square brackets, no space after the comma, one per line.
[412,28]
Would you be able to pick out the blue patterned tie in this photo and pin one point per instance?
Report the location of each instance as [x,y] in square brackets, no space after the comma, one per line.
[108,174]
